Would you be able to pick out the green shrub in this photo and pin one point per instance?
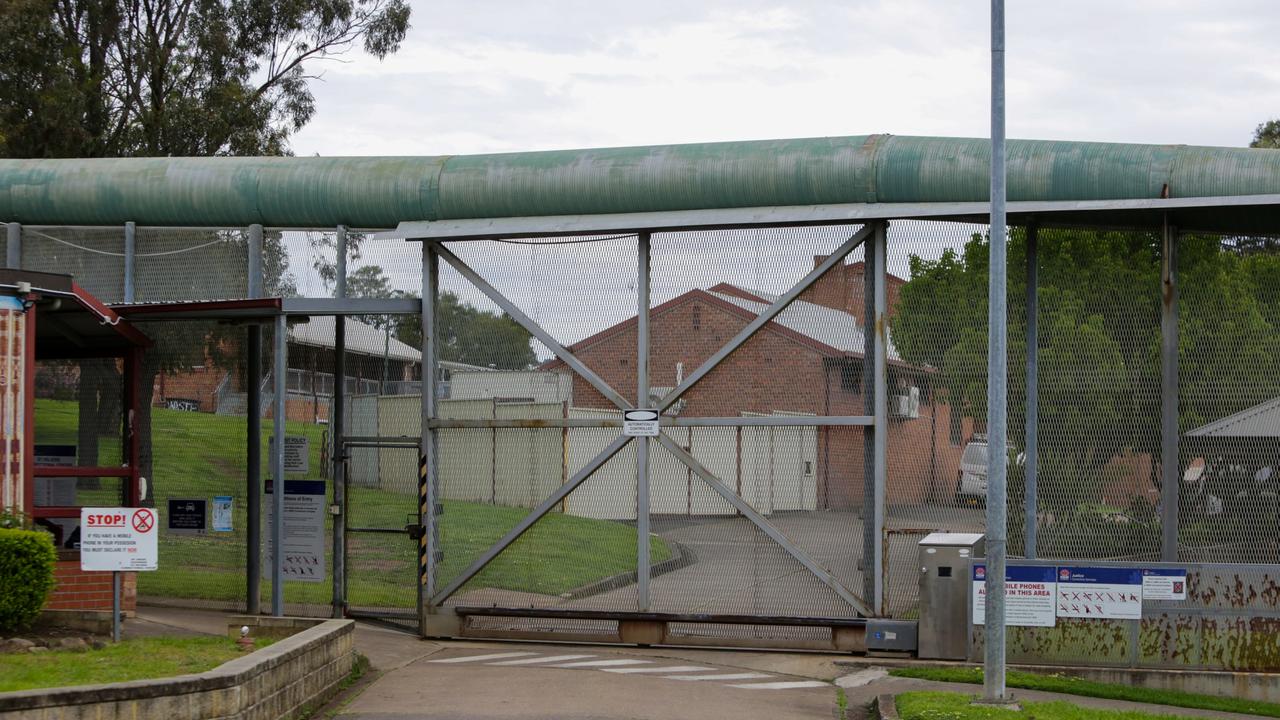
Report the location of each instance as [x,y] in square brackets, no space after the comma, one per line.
[27,560]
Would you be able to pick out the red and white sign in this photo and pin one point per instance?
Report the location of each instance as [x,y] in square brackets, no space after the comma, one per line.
[118,539]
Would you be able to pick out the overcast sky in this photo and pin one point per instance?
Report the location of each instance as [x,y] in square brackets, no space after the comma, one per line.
[500,75]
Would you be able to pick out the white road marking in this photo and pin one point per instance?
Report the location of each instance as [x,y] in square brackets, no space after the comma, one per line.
[531,661]
[667,669]
[478,658]
[728,676]
[601,663]
[780,685]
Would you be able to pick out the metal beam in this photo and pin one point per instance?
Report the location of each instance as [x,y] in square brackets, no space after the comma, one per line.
[765,317]
[536,330]
[774,534]
[1032,466]
[536,514]
[616,422]
[880,474]
[277,467]
[255,289]
[351,306]
[13,245]
[130,259]
[786,216]
[642,443]
[336,435]
[253,439]
[1169,394]
[870,539]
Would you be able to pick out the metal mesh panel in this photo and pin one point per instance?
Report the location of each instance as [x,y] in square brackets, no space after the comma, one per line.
[94,257]
[181,264]
[1229,315]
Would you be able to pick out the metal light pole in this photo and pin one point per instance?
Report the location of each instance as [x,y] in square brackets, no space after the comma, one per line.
[997,372]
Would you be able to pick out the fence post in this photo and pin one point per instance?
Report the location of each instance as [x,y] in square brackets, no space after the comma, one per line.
[1031,468]
[642,443]
[130,258]
[1169,394]
[870,541]
[880,472]
[429,552]
[338,431]
[13,246]
[281,388]
[253,445]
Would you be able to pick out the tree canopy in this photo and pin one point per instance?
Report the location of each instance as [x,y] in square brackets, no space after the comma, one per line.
[1266,135]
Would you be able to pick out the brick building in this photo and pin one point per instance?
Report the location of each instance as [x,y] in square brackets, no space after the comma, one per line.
[808,360]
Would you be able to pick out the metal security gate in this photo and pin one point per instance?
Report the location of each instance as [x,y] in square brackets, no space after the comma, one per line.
[724,527]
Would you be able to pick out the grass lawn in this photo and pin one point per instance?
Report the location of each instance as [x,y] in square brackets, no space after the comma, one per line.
[954,706]
[1089,688]
[138,659]
[199,455]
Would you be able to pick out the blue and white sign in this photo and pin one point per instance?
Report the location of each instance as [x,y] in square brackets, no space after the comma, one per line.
[1028,595]
[1100,593]
[222,505]
[1164,584]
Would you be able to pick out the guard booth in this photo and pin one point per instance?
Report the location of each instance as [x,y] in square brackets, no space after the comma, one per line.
[55,336]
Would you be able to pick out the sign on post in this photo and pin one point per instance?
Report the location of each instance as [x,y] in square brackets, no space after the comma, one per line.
[640,423]
[187,516]
[1028,596]
[297,453]
[115,539]
[304,510]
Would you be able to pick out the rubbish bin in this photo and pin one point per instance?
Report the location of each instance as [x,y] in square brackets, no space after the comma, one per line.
[944,600]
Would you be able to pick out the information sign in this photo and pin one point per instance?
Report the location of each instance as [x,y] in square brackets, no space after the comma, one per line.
[187,516]
[1028,596]
[297,453]
[1164,584]
[1100,593]
[640,423]
[222,505]
[113,539]
[304,510]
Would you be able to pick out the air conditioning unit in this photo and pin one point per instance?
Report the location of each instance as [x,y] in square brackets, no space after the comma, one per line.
[906,405]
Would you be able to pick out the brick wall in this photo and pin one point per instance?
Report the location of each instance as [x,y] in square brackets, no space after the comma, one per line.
[776,371]
[842,288]
[80,590]
[198,384]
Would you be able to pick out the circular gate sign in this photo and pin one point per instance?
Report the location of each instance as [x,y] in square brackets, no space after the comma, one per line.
[143,520]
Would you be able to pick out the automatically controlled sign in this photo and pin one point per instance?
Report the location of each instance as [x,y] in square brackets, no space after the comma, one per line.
[113,539]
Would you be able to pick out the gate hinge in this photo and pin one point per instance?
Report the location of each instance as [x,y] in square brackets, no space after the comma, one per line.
[416,532]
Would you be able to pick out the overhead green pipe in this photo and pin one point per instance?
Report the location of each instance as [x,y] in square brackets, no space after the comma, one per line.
[372,192]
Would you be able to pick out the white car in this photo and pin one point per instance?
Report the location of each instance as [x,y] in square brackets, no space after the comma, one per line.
[971,478]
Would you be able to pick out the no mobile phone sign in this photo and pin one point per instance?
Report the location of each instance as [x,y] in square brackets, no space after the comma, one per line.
[113,539]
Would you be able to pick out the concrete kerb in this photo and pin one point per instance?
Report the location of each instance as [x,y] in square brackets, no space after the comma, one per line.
[885,707]
[681,556]
[269,683]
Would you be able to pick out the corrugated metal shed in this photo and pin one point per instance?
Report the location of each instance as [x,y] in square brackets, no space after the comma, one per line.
[362,339]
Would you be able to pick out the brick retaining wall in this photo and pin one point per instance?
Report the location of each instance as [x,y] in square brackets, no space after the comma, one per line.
[268,684]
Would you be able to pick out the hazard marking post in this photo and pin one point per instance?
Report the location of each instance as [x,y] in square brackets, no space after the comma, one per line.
[115,539]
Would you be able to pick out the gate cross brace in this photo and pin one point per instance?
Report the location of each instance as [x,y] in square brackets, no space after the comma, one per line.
[534,516]
[768,315]
[534,328]
[768,529]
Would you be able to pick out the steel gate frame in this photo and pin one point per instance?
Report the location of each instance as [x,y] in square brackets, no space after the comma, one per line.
[872,234]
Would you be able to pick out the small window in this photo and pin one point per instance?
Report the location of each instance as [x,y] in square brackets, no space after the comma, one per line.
[697,317]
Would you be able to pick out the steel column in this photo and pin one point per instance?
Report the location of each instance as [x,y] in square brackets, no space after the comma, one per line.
[880,472]
[534,329]
[994,689]
[642,443]
[253,440]
[534,515]
[13,245]
[1169,394]
[767,316]
[130,258]
[1031,464]
[338,429]
[760,522]
[870,539]
[429,551]
[277,466]
[616,422]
